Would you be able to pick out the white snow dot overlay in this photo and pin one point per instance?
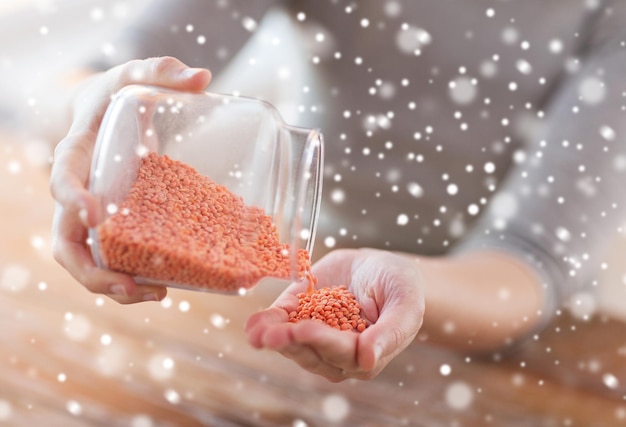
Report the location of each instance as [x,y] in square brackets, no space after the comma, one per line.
[74,408]
[459,395]
[14,278]
[142,420]
[76,327]
[411,40]
[161,367]
[6,410]
[335,407]
[591,90]
[463,91]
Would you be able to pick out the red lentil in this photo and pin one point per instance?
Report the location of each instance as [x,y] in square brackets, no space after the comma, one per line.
[335,306]
[179,227]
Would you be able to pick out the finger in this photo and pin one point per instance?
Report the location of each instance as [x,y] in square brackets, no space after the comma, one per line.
[120,287]
[281,338]
[75,256]
[143,293]
[394,330]
[72,252]
[307,358]
[163,71]
[336,348]
[268,329]
[70,175]
[258,323]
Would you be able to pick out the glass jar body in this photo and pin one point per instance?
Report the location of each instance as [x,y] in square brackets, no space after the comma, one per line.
[203,191]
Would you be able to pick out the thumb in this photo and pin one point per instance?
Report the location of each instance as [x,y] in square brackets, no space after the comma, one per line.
[394,330]
[163,71]
[168,72]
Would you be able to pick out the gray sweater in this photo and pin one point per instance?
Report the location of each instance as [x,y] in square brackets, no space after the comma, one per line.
[449,125]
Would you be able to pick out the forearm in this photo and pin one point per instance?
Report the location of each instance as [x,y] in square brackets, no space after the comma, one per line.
[479,301]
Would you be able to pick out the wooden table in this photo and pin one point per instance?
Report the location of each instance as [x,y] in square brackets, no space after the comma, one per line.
[71,358]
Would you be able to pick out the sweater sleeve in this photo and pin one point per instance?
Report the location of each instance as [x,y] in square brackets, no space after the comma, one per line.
[563,203]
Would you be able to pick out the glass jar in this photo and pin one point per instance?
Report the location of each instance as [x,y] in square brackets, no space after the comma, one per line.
[204,191]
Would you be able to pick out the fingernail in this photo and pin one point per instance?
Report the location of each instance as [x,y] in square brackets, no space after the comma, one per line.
[188,73]
[119,290]
[151,297]
[83,215]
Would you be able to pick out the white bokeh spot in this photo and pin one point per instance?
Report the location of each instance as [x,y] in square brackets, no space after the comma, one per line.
[459,395]
[15,278]
[411,39]
[592,90]
[141,420]
[6,410]
[76,327]
[582,305]
[335,407]
[504,206]
[161,367]
[462,90]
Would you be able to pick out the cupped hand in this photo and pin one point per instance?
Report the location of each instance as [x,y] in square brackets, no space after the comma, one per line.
[389,289]
[76,209]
